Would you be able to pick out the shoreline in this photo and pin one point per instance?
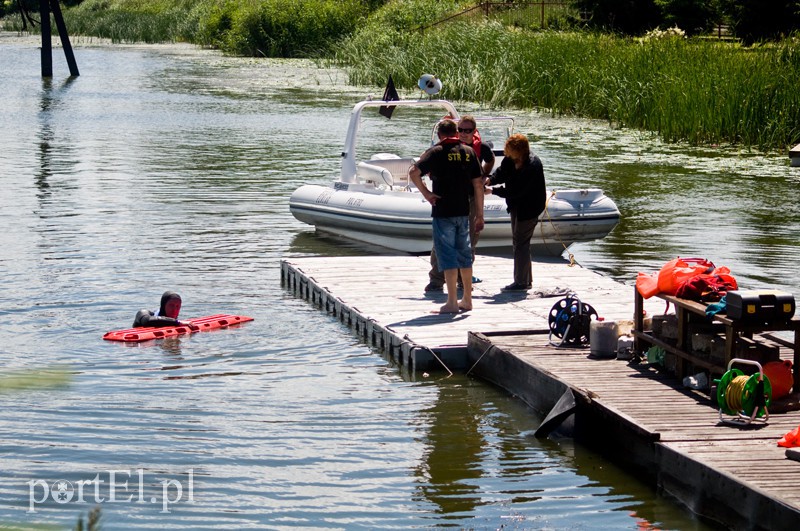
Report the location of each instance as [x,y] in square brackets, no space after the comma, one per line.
[84,41]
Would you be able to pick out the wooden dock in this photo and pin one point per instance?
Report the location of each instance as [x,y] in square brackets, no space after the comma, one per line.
[636,414]
[382,298]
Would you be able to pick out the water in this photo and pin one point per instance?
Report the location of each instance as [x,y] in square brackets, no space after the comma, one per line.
[170,168]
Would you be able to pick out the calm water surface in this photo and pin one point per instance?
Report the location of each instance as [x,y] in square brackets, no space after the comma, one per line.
[170,168]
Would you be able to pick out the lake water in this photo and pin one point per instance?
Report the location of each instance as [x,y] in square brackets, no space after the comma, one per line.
[170,168]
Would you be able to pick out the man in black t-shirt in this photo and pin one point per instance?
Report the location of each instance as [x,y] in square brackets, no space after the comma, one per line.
[468,134]
[455,171]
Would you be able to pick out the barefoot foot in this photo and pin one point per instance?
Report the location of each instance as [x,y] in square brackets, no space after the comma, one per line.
[449,309]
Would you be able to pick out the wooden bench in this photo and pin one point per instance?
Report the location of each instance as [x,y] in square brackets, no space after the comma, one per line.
[685,310]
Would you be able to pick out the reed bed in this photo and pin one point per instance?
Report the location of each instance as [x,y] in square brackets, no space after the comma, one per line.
[150,21]
[261,28]
[695,90]
[700,91]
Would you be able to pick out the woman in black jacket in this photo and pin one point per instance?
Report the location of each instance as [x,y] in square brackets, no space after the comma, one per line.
[522,176]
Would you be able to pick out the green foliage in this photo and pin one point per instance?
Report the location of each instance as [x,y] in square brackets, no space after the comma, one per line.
[699,91]
[411,14]
[695,17]
[759,20]
[279,28]
[275,28]
[628,17]
[149,21]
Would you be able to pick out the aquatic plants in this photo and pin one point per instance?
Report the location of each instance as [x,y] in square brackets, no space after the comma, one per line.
[278,28]
[271,28]
[695,90]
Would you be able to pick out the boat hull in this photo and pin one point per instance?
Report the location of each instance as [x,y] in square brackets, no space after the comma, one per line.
[401,220]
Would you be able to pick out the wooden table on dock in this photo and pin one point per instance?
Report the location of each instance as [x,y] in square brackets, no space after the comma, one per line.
[685,310]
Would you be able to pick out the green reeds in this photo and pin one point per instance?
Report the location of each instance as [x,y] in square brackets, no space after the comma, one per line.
[700,91]
[272,28]
[150,21]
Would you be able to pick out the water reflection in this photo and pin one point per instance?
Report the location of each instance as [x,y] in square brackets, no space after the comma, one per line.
[453,444]
[49,154]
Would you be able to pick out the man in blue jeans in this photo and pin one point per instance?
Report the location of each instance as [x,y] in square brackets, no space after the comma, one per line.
[455,172]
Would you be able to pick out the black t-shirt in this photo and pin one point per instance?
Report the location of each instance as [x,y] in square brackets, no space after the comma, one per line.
[452,166]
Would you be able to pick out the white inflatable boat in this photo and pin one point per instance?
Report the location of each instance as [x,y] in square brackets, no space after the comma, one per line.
[374,202]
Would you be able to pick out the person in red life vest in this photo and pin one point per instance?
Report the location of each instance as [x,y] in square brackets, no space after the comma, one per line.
[522,175]
[165,315]
[468,134]
[455,171]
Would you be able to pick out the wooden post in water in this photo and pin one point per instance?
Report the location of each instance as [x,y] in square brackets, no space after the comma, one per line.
[45,8]
[62,32]
[47,45]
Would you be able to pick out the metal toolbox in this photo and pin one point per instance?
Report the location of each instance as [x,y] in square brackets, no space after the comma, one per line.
[760,306]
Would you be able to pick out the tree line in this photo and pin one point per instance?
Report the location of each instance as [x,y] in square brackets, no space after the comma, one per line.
[750,21]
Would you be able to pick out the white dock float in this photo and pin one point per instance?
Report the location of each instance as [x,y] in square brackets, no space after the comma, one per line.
[382,299]
[794,156]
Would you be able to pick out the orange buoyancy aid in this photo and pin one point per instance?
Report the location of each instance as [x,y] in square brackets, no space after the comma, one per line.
[672,275]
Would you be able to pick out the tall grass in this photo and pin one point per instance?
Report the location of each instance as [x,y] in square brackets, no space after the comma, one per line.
[699,91]
[149,21]
[278,28]
[273,28]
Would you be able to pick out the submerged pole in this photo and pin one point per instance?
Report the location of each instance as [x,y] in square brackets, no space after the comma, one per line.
[47,45]
[62,32]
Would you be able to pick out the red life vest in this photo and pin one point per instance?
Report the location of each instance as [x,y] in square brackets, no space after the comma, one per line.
[476,143]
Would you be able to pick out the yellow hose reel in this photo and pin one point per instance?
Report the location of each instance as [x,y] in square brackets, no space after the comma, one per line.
[743,398]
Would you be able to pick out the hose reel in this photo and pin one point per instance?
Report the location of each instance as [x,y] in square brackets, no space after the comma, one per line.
[744,398]
[570,320]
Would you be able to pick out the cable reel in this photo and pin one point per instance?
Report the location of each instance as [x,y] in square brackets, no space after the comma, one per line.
[569,320]
[744,398]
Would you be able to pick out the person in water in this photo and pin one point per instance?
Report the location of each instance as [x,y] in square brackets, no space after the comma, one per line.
[165,315]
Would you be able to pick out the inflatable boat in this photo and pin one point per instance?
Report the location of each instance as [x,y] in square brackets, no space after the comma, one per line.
[373,200]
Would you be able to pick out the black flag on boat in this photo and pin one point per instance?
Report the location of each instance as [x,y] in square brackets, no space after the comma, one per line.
[390,94]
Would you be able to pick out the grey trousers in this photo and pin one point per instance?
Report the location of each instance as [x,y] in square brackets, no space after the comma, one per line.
[521,234]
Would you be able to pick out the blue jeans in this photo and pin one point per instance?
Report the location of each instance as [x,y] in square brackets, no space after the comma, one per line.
[451,242]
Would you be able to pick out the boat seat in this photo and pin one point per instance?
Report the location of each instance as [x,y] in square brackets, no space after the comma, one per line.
[398,167]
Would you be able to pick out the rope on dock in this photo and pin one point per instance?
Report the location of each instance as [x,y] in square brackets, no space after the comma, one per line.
[407,340]
[555,229]
[490,347]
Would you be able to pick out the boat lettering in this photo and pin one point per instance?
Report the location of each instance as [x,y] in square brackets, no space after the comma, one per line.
[341,186]
[354,202]
[493,207]
[324,197]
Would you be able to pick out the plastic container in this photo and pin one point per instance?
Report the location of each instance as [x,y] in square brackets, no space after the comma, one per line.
[625,347]
[780,376]
[603,338]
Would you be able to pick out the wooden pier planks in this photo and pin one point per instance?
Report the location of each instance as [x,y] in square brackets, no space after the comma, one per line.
[388,290]
[724,472]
